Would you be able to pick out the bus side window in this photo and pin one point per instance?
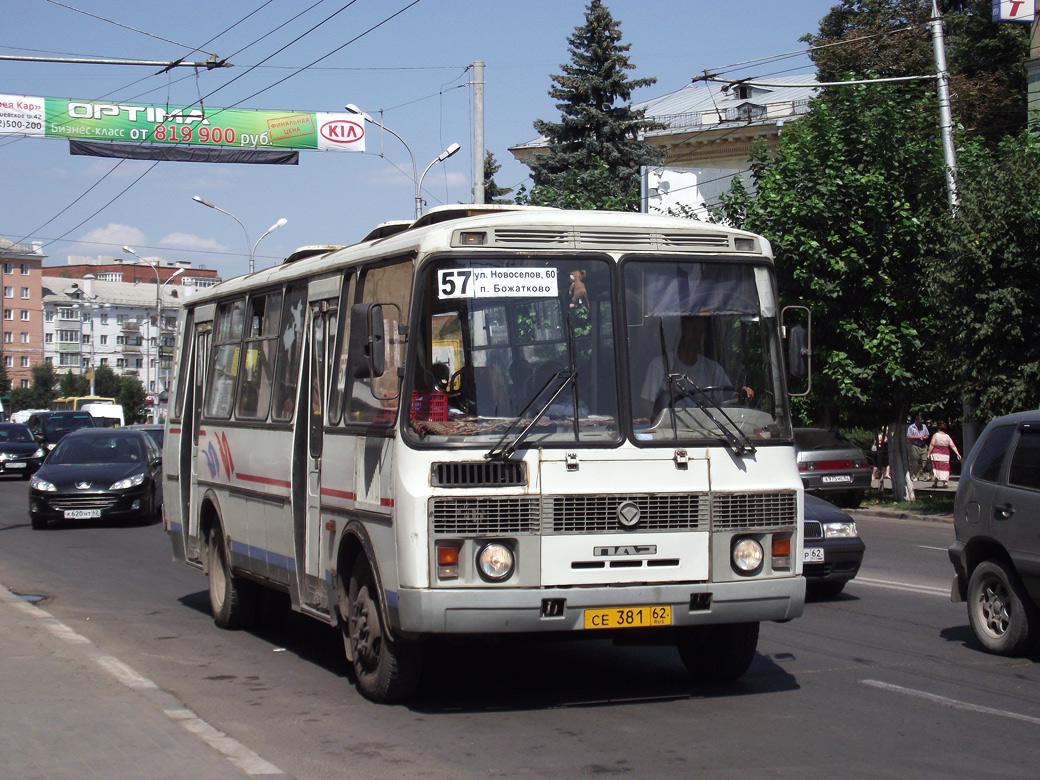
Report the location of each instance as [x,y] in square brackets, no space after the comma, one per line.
[338,391]
[254,395]
[288,348]
[376,401]
[227,352]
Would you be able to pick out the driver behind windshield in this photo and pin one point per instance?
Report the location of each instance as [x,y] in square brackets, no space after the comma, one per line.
[690,361]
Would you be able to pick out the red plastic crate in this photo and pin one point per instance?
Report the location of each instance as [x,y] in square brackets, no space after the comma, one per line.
[430,406]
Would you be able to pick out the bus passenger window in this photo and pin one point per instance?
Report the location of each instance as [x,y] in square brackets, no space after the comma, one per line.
[227,351]
[288,345]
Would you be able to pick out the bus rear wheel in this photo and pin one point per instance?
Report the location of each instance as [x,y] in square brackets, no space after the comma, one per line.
[718,653]
[387,670]
[230,598]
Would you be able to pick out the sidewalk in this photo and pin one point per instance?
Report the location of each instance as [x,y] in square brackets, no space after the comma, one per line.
[69,710]
[921,488]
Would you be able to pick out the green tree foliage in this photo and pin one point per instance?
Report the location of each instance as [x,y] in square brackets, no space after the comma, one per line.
[891,38]
[985,289]
[106,382]
[848,201]
[131,396]
[597,140]
[5,381]
[492,192]
[40,393]
[74,384]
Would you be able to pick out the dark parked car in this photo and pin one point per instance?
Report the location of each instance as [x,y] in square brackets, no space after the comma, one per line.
[833,550]
[832,466]
[50,427]
[98,473]
[20,453]
[996,519]
[153,430]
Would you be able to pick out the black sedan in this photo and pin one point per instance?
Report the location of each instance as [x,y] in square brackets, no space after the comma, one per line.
[20,453]
[833,550]
[98,473]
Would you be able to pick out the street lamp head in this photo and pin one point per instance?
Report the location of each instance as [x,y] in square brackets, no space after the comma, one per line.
[197,199]
[130,251]
[279,223]
[355,110]
[448,152]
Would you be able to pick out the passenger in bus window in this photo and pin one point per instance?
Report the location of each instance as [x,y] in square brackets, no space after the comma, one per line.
[690,361]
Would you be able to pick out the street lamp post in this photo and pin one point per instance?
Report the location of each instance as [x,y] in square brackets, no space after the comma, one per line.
[158,322]
[416,178]
[250,247]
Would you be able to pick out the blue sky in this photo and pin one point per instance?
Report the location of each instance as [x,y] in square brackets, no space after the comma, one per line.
[413,68]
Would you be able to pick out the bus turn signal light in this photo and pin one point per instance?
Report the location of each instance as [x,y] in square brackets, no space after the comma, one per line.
[447,562]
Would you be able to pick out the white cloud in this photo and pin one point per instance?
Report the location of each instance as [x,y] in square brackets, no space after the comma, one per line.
[116,235]
[191,241]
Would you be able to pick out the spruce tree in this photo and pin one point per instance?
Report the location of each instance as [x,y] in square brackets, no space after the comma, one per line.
[492,192]
[598,134]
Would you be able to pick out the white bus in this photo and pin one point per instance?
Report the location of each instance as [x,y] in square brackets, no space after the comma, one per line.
[449,428]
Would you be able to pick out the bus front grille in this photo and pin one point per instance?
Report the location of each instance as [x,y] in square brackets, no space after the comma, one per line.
[741,511]
[492,516]
[494,473]
[584,514]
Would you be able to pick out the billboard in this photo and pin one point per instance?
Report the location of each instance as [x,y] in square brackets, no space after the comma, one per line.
[213,128]
[1014,10]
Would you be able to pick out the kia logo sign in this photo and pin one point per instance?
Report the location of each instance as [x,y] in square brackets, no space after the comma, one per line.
[342,131]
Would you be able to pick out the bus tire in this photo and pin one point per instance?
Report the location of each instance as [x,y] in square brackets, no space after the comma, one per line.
[229,596]
[718,653]
[387,670]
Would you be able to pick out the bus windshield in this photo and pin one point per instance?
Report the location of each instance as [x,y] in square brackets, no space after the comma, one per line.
[703,348]
[511,346]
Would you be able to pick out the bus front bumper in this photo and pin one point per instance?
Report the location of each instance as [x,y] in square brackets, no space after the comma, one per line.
[533,610]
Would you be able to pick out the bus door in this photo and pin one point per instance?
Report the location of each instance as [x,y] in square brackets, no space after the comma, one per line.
[191,496]
[309,538]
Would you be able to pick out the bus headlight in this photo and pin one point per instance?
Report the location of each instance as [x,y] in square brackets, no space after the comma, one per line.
[495,562]
[747,555]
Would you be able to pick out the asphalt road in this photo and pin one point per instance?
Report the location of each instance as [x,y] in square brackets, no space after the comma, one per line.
[884,681]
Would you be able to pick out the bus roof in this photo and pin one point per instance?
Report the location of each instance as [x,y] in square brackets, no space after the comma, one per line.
[508,227]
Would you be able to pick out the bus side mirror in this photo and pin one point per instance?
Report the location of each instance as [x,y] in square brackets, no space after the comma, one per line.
[796,327]
[367,353]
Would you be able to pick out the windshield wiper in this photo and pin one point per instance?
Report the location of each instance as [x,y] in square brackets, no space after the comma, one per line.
[564,378]
[740,443]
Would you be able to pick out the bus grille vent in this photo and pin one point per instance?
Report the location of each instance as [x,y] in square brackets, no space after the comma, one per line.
[737,511]
[615,238]
[694,239]
[813,529]
[496,516]
[584,514]
[533,236]
[479,474]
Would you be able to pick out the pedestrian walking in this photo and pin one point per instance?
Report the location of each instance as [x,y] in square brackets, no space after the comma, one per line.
[917,436]
[939,452]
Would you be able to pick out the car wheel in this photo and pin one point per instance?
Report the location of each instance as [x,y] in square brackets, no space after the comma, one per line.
[852,499]
[387,670]
[718,653]
[1001,614]
[38,523]
[230,598]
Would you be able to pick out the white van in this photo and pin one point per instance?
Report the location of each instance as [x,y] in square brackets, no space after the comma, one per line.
[106,415]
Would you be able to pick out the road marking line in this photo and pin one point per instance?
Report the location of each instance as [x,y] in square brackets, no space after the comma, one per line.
[234,751]
[927,547]
[901,586]
[953,703]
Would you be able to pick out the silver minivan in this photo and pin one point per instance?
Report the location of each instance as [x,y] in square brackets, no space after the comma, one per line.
[996,515]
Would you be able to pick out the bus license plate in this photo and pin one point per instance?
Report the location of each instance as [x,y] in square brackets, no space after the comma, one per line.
[628,617]
[812,555]
[82,514]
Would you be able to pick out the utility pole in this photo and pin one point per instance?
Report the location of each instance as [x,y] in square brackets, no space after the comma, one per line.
[942,78]
[478,132]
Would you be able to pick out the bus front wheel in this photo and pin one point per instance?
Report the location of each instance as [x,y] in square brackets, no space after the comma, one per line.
[387,670]
[720,652]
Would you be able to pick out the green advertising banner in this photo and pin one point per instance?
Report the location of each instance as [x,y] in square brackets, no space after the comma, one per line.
[150,124]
